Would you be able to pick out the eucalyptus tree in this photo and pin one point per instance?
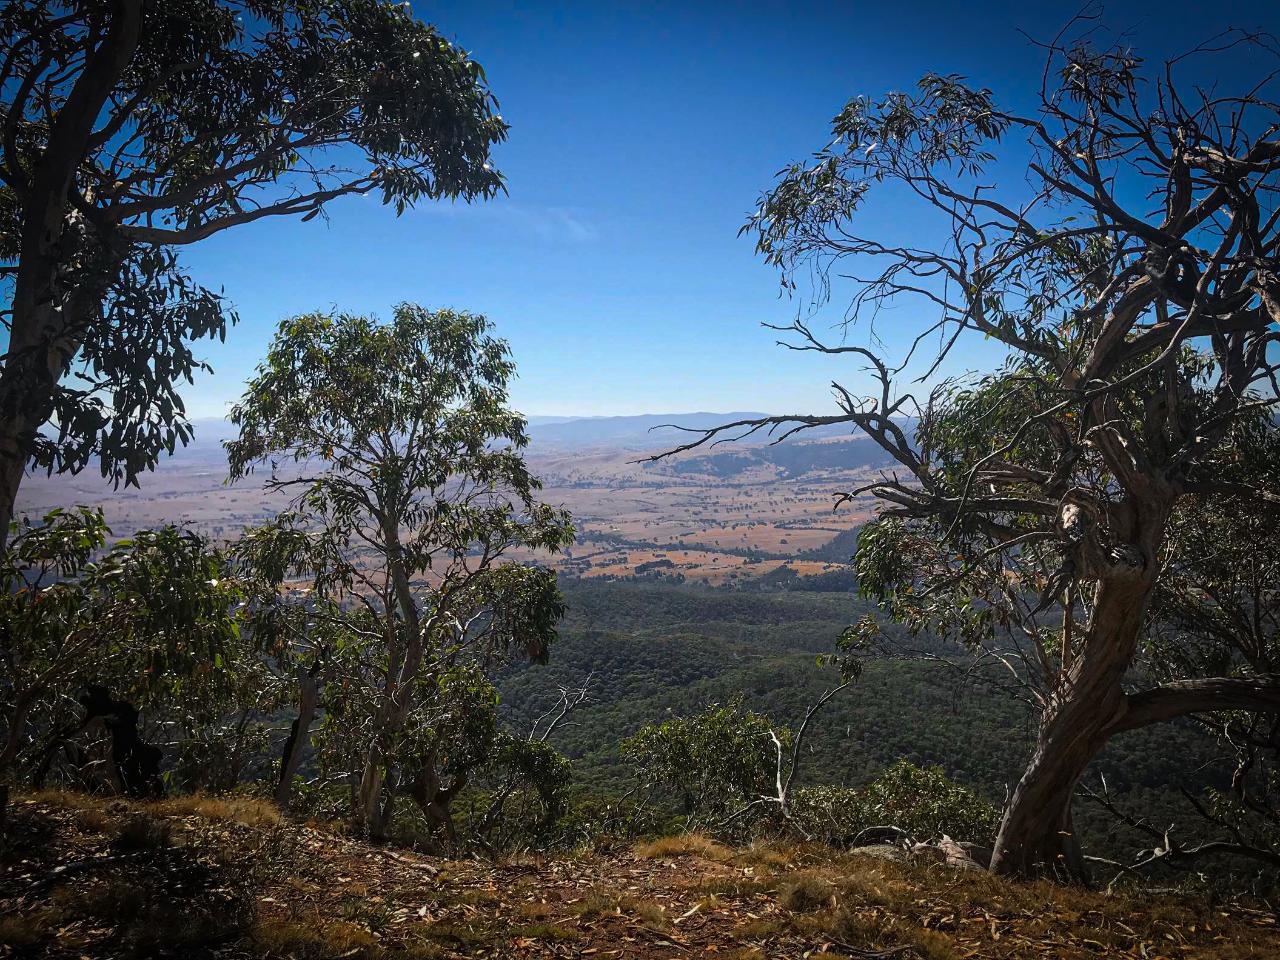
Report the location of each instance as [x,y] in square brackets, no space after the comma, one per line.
[712,763]
[152,620]
[399,453]
[132,128]
[1119,242]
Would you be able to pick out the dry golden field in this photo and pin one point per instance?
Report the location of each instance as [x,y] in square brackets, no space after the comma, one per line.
[712,528]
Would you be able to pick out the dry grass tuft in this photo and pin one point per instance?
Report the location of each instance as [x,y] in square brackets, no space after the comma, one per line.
[683,845]
[249,811]
[727,886]
[24,931]
[759,929]
[313,939]
[63,799]
[772,856]
[143,832]
[807,891]
[92,821]
[602,902]
[114,901]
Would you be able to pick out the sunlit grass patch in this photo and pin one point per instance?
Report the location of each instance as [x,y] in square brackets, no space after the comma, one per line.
[313,939]
[683,845]
[62,799]
[772,856]
[249,811]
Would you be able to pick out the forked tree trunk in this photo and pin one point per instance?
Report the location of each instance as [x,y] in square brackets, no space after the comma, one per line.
[436,802]
[375,806]
[1037,836]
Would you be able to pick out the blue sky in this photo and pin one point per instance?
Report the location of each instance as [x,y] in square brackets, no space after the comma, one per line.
[641,136]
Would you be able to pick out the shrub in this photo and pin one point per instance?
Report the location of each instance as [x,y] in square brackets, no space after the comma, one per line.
[710,763]
[806,892]
[923,802]
[927,804]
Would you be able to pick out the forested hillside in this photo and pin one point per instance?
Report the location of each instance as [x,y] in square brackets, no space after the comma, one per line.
[650,651]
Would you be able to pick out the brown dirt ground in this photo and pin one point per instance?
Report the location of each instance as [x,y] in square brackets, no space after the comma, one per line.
[86,878]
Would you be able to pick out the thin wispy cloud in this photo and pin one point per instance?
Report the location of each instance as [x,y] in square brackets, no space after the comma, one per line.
[552,223]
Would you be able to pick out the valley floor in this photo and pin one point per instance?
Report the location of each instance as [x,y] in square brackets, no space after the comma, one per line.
[84,877]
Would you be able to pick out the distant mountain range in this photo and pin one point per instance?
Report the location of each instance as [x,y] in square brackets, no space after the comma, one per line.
[654,429]
[642,430]
[631,432]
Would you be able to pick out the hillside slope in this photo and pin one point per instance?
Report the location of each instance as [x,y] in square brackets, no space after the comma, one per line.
[197,878]
[656,650]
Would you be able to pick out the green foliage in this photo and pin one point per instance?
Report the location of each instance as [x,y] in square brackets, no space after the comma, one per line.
[925,803]
[409,490]
[1217,609]
[203,115]
[454,725]
[920,801]
[656,651]
[523,605]
[524,795]
[394,414]
[156,608]
[135,355]
[540,767]
[945,123]
[155,619]
[1033,520]
[710,763]
[1216,612]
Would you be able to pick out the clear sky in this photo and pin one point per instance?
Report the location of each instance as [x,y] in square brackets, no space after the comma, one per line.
[641,136]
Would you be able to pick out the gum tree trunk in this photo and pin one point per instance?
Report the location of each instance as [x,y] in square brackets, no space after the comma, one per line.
[1037,836]
[377,782]
[41,338]
[299,736]
[435,801]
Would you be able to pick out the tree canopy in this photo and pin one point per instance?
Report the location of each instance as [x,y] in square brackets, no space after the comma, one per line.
[1119,242]
[132,128]
[408,494]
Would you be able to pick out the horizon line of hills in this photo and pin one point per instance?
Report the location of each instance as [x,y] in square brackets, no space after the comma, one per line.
[628,431]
